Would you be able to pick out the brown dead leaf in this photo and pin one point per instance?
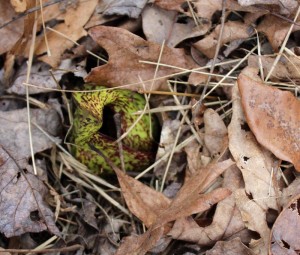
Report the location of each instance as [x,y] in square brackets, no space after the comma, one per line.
[232,31]
[275,29]
[215,136]
[286,6]
[255,162]
[285,238]
[14,125]
[194,158]
[72,28]
[234,246]
[143,201]
[19,5]
[204,8]
[161,25]
[190,198]
[254,217]
[22,206]
[225,222]
[11,33]
[290,191]
[139,245]
[29,20]
[125,51]
[285,69]
[273,116]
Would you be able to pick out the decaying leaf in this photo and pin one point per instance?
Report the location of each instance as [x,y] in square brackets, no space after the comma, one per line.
[287,67]
[204,8]
[22,193]
[231,31]
[286,6]
[41,77]
[272,115]
[139,245]
[125,51]
[167,137]
[225,222]
[143,201]
[161,25]
[14,124]
[255,162]
[234,246]
[215,136]
[254,217]
[131,8]
[285,238]
[72,28]
[9,34]
[275,29]
[189,200]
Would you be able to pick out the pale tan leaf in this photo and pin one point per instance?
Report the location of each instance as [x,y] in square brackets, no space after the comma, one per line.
[285,238]
[254,217]
[255,162]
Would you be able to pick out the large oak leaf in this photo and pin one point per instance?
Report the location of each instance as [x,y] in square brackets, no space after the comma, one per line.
[126,51]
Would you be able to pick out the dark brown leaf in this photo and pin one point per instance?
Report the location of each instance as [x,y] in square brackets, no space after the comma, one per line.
[125,51]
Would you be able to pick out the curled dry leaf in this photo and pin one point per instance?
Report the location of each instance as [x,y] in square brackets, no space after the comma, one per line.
[285,238]
[254,217]
[215,136]
[285,6]
[231,31]
[290,191]
[272,115]
[276,30]
[139,245]
[161,25]
[287,67]
[22,206]
[125,51]
[226,221]
[189,200]
[254,161]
